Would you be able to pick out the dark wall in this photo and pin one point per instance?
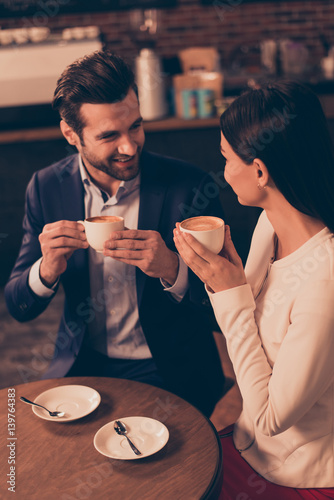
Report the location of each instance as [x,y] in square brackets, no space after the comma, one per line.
[234,27]
[35,8]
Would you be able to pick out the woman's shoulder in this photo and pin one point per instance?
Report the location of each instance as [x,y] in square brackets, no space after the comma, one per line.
[320,255]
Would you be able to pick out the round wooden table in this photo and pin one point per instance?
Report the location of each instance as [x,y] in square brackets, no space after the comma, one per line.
[59,460]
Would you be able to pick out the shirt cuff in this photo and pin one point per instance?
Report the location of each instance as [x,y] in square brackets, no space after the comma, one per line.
[35,283]
[232,307]
[231,298]
[180,287]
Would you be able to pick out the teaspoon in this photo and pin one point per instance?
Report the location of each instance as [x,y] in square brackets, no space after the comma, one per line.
[122,431]
[52,413]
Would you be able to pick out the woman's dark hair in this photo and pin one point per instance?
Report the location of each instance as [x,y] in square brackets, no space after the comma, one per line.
[98,78]
[283,125]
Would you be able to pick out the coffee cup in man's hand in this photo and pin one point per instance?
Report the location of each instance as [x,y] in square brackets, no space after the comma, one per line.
[98,229]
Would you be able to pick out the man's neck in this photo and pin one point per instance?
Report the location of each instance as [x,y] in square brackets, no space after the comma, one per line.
[103,181]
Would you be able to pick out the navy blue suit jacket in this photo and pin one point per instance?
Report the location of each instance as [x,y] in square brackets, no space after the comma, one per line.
[179,335]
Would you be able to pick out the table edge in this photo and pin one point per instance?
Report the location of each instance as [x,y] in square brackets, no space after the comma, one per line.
[218,477]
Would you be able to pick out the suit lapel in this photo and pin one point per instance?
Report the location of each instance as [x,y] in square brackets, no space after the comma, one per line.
[152,194]
[71,190]
[72,202]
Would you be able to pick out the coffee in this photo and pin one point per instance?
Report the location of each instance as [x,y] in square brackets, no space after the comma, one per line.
[202,223]
[209,231]
[104,218]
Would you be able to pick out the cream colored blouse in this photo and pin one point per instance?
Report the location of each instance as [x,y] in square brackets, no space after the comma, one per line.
[279,330]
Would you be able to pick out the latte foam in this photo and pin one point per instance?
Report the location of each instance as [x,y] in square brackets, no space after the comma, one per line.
[104,218]
[202,223]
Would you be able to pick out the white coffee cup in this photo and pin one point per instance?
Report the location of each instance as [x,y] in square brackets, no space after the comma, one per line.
[208,230]
[98,229]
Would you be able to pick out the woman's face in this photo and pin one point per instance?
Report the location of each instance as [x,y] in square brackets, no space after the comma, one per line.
[242,178]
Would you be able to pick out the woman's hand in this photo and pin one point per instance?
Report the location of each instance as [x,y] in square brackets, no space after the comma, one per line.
[218,272]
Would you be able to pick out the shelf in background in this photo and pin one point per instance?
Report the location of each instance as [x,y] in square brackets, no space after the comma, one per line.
[168,124]
[54,133]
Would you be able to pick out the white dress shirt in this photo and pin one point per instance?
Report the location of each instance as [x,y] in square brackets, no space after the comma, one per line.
[115,329]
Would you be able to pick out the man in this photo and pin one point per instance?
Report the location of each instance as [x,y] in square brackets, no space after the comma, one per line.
[134,312]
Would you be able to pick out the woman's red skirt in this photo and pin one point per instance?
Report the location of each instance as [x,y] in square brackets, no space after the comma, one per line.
[241,482]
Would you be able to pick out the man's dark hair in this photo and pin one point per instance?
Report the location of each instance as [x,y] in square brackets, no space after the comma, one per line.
[98,78]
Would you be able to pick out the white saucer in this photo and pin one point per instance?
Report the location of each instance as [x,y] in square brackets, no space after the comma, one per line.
[76,401]
[147,434]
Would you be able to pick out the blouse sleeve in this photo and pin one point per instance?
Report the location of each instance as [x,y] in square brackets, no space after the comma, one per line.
[277,397]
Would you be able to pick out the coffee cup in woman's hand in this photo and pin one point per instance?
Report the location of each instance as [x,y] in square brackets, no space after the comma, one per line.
[208,230]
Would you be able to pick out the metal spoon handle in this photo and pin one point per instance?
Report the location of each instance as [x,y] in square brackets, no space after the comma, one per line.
[134,449]
[25,400]
[51,413]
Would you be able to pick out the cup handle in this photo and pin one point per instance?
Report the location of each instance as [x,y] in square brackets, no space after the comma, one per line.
[82,222]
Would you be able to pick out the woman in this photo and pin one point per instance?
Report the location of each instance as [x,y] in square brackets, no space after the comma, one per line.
[278,314]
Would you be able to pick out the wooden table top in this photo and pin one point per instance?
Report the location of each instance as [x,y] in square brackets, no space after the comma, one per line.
[59,460]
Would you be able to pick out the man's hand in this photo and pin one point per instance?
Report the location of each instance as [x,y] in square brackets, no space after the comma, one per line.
[58,242]
[146,250]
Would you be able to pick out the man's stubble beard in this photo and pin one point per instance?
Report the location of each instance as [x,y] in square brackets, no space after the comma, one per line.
[121,174]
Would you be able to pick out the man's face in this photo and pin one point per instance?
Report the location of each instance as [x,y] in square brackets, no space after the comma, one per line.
[112,138]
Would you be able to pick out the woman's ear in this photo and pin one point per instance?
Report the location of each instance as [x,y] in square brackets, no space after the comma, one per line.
[261,173]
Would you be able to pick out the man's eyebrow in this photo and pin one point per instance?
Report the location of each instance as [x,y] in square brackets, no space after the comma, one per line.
[221,149]
[106,133]
[137,122]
